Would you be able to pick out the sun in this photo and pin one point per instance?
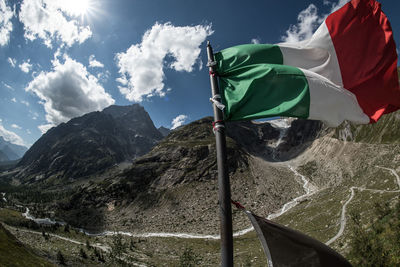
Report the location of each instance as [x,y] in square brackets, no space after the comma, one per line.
[77,7]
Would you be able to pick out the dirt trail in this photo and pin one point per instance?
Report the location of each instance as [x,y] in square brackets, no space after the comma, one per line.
[343,219]
[97,245]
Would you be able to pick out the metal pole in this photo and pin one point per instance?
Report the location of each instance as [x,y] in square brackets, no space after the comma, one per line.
[224,189]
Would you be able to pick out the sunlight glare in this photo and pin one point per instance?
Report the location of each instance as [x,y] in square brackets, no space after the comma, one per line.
[76,7]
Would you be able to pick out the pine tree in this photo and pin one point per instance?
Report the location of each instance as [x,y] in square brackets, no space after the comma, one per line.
[83,253]
[60,258]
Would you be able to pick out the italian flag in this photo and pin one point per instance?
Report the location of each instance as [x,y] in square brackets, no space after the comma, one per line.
[346,71]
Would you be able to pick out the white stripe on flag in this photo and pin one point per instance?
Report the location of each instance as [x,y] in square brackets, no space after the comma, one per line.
[316,54]
[332,103]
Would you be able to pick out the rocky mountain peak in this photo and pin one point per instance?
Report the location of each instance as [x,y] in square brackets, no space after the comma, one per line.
[91,143]
[164,131]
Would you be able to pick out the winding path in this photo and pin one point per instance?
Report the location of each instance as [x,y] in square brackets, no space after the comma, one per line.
[343,219]
[97,245]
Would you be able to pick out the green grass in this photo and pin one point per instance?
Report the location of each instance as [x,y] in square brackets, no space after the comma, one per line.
[11,217]
[168,251]
[13,253]
[319,216]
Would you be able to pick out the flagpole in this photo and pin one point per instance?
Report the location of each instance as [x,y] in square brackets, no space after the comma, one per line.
[224,190]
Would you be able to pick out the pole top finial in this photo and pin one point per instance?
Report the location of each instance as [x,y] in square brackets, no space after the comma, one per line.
[208,43]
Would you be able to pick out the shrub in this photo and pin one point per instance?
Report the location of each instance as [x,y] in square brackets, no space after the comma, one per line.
[189,258]
[378,245]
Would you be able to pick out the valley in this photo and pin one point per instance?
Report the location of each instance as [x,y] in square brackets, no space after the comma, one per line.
[160,208]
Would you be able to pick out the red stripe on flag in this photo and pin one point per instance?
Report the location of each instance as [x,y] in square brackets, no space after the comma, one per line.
[366,52]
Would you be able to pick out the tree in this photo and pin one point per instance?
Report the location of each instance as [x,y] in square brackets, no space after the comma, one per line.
[189,258]
[60,258]
[99,255]
[118,247]
[88,246]
[132,245]
[83,253]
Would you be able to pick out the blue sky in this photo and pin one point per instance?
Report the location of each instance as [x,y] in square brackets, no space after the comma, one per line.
[61,59]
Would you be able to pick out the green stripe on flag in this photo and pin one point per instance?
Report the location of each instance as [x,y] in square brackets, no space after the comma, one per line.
[254,84]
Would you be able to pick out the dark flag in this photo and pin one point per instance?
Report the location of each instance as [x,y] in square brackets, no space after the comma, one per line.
[286,247]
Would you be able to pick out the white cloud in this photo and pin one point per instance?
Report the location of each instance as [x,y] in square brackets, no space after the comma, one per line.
[52,20]
[141,66]
[11,136]
[336,6]
[45,127]
[68,91]
[5,22]
[14,100]
[28,131]
[15,126]
[178,121]
[26,103]
[25,66]
[308,21]
[34,115]
[103,76]
[8,86]
[255,41]
[93,63]
[12,61]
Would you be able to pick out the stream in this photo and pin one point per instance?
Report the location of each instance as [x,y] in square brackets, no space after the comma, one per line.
[308,188]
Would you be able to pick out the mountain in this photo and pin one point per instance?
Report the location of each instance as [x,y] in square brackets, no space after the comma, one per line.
[164,131]
[385,131]
[298,169]
[90,144]
[3,156]
[12,151]
[172,187]
[11,154]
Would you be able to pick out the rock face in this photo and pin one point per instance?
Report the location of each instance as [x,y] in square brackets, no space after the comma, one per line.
[275,142]
[90,144]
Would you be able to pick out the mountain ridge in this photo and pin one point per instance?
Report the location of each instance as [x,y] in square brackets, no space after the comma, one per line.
[89,144]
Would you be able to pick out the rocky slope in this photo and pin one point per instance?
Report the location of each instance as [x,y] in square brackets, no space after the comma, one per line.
[89,144]
[173,187]
[385,131]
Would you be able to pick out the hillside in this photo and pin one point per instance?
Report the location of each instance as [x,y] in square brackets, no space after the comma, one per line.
[14,253]
[385,131]
[173,187]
